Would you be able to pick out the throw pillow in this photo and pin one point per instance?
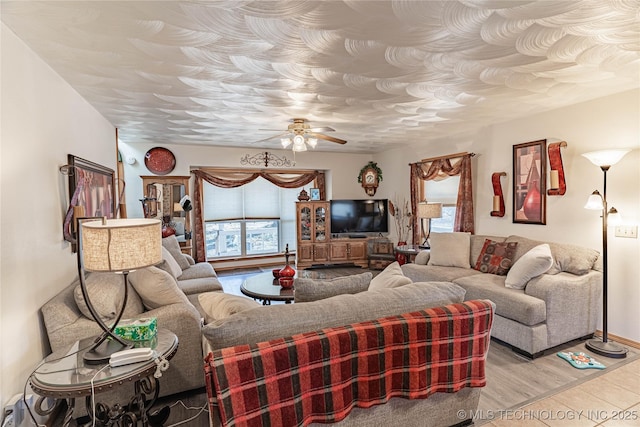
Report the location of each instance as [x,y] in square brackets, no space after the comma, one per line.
[172,245]
[170,264]
[390,277]
[156,288]
[307,290]
[106,292]
[218,305]
[532,264]
[450,249]
[496,257]
[422,258]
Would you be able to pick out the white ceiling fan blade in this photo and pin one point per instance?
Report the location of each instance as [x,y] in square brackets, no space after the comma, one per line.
[327,137]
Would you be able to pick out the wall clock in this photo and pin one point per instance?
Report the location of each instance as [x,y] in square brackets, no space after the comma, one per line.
[370,177]
[160,161]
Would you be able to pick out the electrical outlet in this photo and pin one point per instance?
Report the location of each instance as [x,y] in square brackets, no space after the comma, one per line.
[627,231]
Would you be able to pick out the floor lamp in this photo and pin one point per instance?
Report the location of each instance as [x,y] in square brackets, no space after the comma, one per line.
[604,159]
[428,211]
[117,246]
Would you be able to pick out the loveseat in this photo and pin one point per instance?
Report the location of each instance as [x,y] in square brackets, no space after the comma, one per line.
[166,292]
[555,294]
[330,306]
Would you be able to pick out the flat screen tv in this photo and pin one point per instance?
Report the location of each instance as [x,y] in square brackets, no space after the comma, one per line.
[359,216]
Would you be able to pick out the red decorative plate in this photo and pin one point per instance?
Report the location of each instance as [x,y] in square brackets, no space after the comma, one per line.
[160,161]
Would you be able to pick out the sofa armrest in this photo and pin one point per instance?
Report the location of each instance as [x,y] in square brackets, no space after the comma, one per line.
[573,303]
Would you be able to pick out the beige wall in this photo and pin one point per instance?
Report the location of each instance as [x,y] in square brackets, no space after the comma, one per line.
[42,121]
[609,122]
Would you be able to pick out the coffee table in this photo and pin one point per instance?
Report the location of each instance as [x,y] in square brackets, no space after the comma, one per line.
[265,288]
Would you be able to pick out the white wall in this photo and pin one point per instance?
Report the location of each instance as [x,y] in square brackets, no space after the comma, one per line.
[342,178]
[42,121]
[609,122]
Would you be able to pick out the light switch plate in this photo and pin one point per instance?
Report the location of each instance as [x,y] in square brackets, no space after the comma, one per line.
[627,231]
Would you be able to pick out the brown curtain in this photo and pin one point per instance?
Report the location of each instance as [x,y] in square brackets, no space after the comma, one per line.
[232,179]
[438,169]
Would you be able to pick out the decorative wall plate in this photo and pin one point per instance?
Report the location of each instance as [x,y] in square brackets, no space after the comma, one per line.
[159,160]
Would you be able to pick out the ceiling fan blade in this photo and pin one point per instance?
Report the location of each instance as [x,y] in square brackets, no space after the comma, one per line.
[326,137]
[272,137]
[322,129]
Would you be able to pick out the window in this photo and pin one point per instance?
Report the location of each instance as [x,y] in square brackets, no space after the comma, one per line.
[445,192]
[255,219]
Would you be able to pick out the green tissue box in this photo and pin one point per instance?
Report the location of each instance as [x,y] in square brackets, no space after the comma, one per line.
[143,329]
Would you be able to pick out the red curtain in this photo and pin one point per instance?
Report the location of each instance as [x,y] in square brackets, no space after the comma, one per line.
[233,179]
[439,169]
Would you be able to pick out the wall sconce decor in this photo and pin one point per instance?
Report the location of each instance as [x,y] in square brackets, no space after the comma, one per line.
[266,158]
[498,198]
[557,185]
[605,159]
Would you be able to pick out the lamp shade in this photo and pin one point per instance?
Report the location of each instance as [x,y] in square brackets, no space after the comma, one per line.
[118,245]
[594,201]
[606,157]
[177,207]
[429,210]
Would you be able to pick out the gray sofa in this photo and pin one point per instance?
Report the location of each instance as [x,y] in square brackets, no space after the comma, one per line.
[555,307]
[325,309]
[153,292]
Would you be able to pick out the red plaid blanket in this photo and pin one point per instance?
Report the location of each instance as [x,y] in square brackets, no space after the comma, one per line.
[320,376]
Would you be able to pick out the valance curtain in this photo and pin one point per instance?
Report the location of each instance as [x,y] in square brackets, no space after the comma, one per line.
[231,179]
[438,169]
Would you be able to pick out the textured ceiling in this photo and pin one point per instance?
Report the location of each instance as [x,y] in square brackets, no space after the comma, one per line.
[381,73]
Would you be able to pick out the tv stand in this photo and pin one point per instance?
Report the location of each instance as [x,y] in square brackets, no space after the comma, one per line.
[318,248]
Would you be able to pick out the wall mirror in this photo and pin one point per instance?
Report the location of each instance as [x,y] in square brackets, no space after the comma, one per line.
[162,195]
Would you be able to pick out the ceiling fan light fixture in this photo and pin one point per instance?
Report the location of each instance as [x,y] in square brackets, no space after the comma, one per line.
[312,142]
[298,139]
[285,142]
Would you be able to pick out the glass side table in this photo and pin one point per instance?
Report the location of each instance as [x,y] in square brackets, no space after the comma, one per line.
[407,253]
[70,378]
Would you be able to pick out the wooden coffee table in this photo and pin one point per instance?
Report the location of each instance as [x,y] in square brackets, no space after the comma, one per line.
[265,288]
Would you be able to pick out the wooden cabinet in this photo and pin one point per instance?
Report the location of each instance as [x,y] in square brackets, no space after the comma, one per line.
[314,243]
[349,250]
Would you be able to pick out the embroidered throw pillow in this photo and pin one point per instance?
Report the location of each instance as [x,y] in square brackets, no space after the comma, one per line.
[496,257]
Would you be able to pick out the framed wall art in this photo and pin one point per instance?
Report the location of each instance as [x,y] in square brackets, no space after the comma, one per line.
[95,185]
[314,194]
[529,182]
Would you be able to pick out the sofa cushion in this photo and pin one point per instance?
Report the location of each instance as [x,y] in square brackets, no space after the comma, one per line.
[106,292]
[277,321]
[496,257]
[199,285]
[532,264]
[196,271]
[570,258]
[450,249]
[218,305]
[156,287]
[172,245]
[169,264]
[427,273]
[307,290]
[391,277]
[510,303]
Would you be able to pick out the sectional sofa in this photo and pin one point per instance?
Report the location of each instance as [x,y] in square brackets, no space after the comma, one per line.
[555,294]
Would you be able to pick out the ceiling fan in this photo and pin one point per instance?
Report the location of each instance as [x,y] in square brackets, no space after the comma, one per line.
[300,134]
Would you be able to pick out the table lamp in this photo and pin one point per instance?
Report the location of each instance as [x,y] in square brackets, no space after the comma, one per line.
[117,246]
[428,211]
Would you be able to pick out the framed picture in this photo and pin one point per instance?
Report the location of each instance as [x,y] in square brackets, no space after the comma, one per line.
[96,187]
[315,194]
[529,182]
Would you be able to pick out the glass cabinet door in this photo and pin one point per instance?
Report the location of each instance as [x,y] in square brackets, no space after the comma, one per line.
[305,223]
[320,217]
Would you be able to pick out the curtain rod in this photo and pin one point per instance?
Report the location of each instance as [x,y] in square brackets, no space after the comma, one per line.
[448,156]
[253,170]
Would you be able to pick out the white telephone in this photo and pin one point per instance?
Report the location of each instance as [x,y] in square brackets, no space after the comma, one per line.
[133,355]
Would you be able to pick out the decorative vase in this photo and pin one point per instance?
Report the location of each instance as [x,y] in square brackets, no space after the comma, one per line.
[401,258]
[531,205]
[287,272]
